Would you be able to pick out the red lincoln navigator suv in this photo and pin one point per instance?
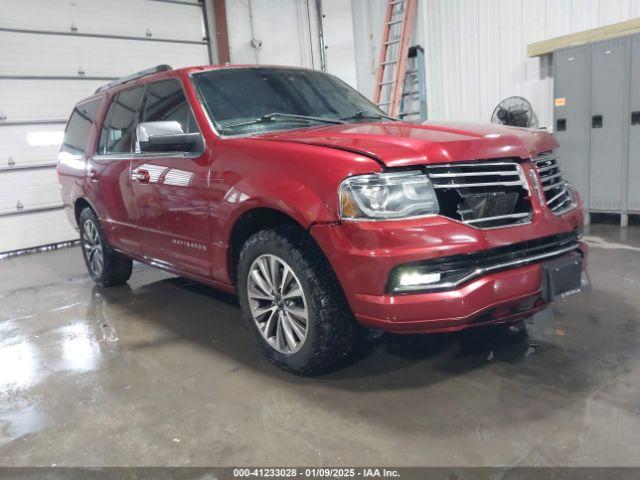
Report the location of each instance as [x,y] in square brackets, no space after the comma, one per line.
[321,212]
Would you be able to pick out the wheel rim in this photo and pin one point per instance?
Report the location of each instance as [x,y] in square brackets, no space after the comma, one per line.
[92,247]
[277,303]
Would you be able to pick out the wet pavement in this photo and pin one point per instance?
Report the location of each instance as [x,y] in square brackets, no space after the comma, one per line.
[163,372]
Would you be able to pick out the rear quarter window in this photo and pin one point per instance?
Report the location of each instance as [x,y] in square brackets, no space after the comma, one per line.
[79,127]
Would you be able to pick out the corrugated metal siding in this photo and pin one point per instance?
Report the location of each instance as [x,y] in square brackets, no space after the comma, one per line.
[476,50]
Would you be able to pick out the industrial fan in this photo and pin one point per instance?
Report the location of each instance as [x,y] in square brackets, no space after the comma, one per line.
[516,112]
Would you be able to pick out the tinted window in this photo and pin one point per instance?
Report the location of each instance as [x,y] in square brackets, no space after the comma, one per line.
[120,122]
[165,101]
[238,95]
[82,119]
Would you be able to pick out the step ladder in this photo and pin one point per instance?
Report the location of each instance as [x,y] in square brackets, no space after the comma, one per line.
[413,105]
[399,88]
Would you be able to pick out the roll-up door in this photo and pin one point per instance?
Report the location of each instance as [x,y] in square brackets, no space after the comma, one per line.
[54,53]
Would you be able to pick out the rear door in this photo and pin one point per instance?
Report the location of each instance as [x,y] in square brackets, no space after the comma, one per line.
[171,189]
[72,158]
[108,172]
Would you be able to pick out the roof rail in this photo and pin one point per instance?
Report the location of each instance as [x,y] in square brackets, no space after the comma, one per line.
[135,76]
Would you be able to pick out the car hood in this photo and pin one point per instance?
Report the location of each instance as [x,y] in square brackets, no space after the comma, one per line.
[399,144]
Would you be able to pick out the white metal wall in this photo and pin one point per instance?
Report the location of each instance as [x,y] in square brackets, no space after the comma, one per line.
[476,49]
[273,32]
[285,32]
[52,54]
[339,40]
[368,17]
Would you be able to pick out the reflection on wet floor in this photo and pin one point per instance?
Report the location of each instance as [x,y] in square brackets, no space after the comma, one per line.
[164,358]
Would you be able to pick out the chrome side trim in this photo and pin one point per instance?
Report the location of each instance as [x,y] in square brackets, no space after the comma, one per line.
[484,270]
[142,156]
[115,156]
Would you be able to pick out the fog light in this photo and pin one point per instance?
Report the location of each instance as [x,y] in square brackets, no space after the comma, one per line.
[412,279]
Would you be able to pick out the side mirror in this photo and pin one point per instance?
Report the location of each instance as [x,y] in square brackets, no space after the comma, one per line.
[165,137]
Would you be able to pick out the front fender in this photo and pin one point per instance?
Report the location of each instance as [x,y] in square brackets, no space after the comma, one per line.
[300,181]
[286,195]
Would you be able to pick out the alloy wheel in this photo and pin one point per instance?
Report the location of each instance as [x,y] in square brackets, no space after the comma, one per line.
[92,247]
[277,303]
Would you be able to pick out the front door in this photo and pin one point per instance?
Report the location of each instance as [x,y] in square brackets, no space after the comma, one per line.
[108,177]
[171,189]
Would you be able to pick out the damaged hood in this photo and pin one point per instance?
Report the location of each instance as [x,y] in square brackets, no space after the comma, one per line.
[400,144]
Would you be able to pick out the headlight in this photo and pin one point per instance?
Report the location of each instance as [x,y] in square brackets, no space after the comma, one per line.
[387,196]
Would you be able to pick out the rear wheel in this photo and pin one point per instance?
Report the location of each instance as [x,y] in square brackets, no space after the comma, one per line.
[293,303]
[106,266]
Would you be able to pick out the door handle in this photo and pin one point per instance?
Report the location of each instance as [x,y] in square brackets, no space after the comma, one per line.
[142,175]
[92,174]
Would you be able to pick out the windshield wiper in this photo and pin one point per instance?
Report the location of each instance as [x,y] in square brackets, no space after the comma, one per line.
[363,115]
[273,117]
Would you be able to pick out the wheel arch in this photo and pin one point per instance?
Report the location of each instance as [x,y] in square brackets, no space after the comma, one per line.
[80,204]
[251,222]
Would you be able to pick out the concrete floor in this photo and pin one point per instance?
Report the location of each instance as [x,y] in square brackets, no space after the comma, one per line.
[163,372]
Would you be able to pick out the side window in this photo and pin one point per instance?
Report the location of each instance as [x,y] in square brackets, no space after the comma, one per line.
[119,125]
[165,101]
[82,119]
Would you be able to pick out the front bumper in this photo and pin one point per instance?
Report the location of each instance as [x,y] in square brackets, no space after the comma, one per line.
[363,254]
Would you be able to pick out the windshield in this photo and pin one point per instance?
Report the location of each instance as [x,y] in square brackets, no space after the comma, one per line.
[243,100]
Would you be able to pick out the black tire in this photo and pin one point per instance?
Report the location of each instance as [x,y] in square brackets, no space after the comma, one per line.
[331,329]
[115,267]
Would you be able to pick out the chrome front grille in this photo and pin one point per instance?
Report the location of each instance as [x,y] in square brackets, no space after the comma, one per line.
[554,186]
[483,194]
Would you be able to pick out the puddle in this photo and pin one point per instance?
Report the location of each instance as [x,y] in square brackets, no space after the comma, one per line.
[22,422]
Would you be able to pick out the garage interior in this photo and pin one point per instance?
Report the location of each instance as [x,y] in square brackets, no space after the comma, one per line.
[162,371]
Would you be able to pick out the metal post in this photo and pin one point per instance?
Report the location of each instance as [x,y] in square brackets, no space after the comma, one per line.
[422,83]
[209,26]
[221,31]
[323,57]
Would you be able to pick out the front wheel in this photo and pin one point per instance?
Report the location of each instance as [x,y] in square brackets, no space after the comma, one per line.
[292,302]
[106,266]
